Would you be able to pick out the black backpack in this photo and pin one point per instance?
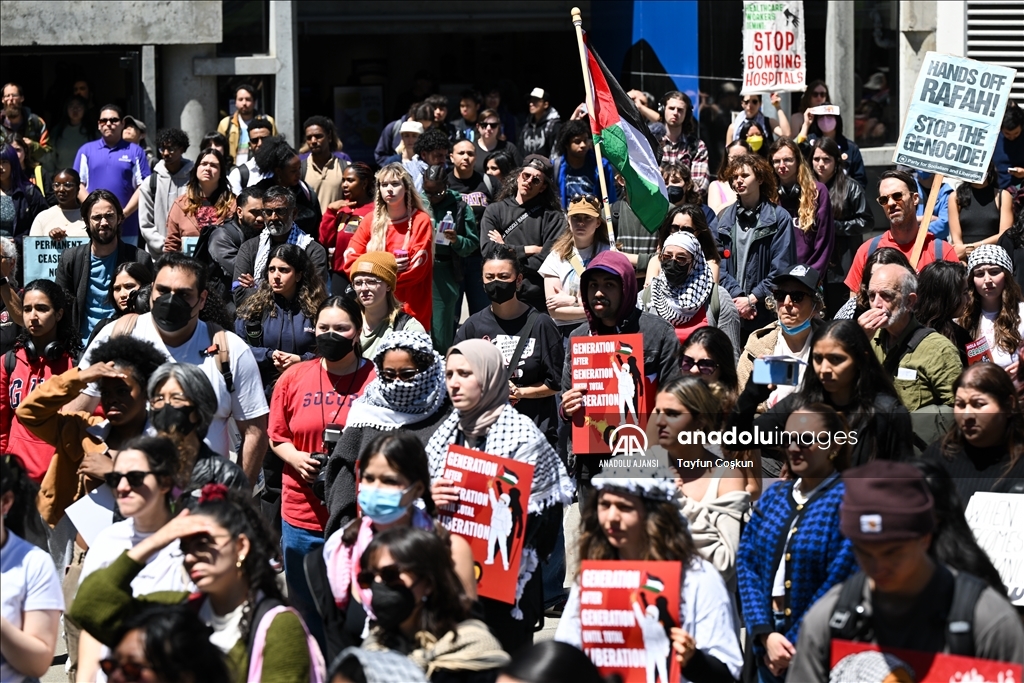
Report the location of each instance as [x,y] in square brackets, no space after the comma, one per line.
[848,621]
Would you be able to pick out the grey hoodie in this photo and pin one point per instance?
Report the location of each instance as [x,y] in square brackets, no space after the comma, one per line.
[155,203]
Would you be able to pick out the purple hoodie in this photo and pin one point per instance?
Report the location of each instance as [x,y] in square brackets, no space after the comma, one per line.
[813,248]
[616,263]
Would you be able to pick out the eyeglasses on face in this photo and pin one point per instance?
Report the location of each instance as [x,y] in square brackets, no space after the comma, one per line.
[490,124]
[390,575]
[795,295]
[176,401]
[112,120]
[705,366]
[131,671]
[897,197]
[819,93]
[405,374]
[751,101]
[531,178]
[436,195]
[366,283]
[135,479]
[61,186]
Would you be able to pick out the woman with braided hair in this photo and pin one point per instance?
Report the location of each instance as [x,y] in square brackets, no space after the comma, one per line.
[227,549]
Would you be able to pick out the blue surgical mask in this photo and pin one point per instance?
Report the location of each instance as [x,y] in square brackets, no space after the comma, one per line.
[795,330]
[382,505]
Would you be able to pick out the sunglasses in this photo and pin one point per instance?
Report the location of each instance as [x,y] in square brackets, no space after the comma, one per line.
[531,179]
[751,101]
[588,198]
[795,296]
[490,125]
[135,479]
[405,374]
[130,670]
[390,575]
[111,120]
[436,195]
[895,196]
[819,93]
[705,366]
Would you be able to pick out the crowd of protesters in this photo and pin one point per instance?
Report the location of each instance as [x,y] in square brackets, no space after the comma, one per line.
[262,357]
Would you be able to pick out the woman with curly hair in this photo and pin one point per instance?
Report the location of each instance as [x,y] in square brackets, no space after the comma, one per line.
[995,305]
[277,320]
[399,224]
[755,257]
[634,515]
[207,200]
[45,349]
[227,549]
[807,202]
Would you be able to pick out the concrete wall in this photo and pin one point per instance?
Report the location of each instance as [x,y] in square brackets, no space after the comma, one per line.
[110,22]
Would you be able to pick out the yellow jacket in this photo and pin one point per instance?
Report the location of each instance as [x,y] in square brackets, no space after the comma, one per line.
[228,127]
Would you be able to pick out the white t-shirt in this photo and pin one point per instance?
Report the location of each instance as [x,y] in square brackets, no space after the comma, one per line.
[246,403]
[569,280]
[163,571]
[987,328]
[28,583]
[56,217]
[707,614]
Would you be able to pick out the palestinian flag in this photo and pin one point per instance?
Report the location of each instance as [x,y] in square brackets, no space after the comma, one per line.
[508,476]
[624,349]
[653,583]
[628,144]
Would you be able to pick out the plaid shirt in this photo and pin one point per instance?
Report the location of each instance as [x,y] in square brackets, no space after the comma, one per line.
[689,150]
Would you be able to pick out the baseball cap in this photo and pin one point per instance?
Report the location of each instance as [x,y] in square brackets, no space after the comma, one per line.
[805,275]
[886,501]
[539,93]
[132,122]
[411,127]
[584,204]
[540,163]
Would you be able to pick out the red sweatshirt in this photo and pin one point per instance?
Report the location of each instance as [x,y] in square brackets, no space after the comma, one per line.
[34,453]
[337,228]
[415,285]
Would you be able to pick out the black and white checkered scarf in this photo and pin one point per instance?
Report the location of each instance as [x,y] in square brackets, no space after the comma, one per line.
[390,405]
[678,304]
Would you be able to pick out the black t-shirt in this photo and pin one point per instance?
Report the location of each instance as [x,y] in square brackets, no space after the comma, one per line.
[979,469]
[542,360]
[474,192]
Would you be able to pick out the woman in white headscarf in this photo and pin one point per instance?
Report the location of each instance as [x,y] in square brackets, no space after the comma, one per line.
[408,393]
[483,419]
[685,293]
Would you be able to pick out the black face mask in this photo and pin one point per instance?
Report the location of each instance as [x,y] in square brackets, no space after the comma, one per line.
[333,346]
[675,272]
[391,605]
[171,312]
[500,291]
[173,420]
[675,194]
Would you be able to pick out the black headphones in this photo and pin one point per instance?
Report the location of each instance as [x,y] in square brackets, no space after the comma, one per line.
[52,352]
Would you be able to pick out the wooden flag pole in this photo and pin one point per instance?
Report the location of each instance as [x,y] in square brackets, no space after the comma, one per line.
[922,232]
[577,21]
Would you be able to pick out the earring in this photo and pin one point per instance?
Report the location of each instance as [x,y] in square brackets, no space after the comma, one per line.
[241,561]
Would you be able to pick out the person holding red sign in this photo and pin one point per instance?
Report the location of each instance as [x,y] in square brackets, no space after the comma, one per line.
[477,382]
[635,516]
[903,598]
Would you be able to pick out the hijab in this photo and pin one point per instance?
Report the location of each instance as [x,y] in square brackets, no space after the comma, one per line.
[488,367]
[677,303]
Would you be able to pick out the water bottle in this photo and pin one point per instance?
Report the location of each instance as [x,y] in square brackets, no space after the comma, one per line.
[447,223]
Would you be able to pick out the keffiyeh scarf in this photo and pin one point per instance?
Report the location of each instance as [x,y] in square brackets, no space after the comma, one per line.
[296,237]
[390,405]
[677,304]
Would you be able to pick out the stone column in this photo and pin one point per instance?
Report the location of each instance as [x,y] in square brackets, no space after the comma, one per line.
[917,36]
[149,95]
[839,56]
[284,46]
[190,101]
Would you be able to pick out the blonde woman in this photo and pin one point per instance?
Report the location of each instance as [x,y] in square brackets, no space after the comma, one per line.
[807,202]
[399,225]
[374,278]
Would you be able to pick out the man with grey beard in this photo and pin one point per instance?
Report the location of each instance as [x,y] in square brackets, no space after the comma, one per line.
[279,228]
[923,363]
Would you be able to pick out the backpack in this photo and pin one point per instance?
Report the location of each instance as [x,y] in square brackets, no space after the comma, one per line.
[873,247]
[849,623]
[125,325]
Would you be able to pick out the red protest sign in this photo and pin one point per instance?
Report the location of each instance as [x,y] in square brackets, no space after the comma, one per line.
[494,495]
[610,369]
[856,662]
[627,610]
[979,352]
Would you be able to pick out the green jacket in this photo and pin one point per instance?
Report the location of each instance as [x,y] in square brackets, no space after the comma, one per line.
[468,235]
[105,601]
[923,366]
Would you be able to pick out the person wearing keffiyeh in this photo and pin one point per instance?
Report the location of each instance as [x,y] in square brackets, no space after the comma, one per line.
[683,291]
[408,393]
[484,420]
